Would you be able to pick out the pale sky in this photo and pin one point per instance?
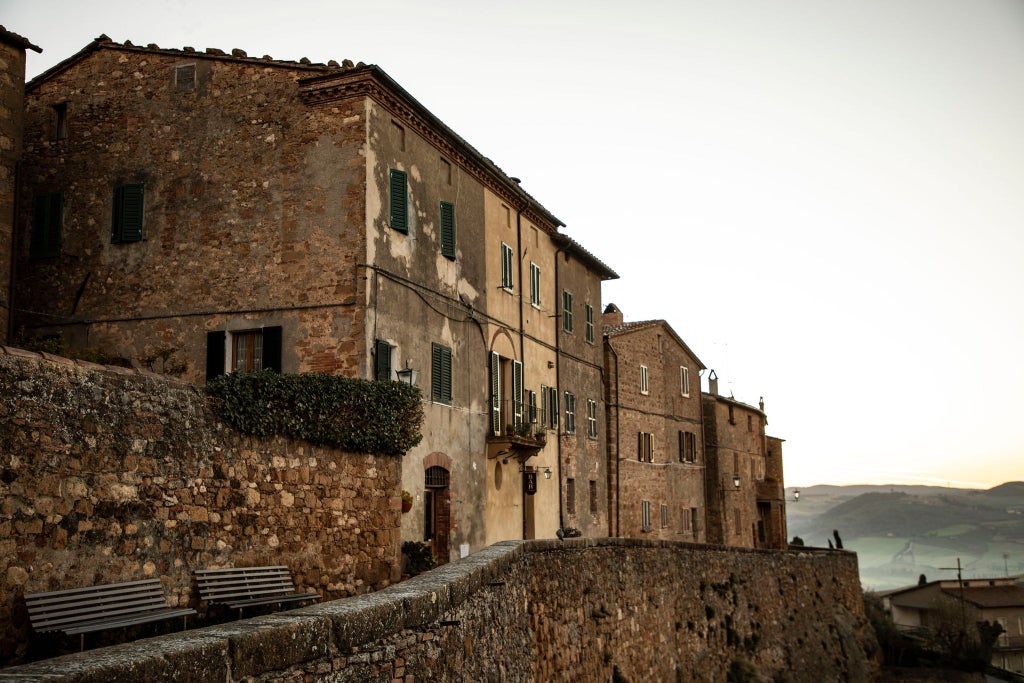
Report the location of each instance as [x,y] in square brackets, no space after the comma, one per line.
[824,198]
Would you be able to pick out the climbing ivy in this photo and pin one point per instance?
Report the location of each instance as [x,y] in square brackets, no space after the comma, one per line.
[352,414]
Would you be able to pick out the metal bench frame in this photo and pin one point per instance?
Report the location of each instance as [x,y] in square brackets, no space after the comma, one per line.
[77,611]
[241,587]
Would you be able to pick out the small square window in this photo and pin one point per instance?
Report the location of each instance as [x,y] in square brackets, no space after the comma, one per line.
[185,78]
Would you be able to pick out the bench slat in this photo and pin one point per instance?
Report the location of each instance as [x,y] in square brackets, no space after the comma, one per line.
[249,586]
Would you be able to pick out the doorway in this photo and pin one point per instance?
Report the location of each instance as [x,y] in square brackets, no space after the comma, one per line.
[437,512]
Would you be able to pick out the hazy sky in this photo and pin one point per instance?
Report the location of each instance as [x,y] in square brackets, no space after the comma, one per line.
[824,198]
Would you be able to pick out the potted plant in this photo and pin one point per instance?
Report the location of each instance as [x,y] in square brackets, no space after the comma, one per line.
[406,501]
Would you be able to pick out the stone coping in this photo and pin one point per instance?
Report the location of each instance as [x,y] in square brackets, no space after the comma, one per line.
[88,365]
[275,642]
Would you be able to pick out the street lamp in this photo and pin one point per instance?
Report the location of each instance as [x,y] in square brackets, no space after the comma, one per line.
[407,375]
[736,481]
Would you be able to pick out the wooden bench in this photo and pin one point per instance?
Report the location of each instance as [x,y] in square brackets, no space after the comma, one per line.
[242,587]
[77,611]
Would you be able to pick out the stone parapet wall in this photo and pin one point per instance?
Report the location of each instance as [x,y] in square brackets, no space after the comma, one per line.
[108,474]
[541,611]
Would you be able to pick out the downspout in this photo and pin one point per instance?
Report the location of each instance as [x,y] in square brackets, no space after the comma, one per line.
[13,261]
[522,358]
[558,384]
[704,452]
[618,438]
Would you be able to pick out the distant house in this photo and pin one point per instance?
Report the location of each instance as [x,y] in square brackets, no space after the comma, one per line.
[745,486]
[656,446]
[994,600]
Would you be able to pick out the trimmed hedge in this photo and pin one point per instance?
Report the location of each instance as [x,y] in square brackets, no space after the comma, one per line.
[356,415]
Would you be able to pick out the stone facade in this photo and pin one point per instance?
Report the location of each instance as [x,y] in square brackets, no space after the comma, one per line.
[296,208]
[12,111]
[745,488]
[542,611]
[656,458]
[110,475]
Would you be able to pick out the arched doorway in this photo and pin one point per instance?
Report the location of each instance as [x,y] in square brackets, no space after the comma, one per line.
[437,512]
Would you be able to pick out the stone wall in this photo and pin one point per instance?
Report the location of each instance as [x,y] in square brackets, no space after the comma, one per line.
[113,475]
[12,96]
[576,610]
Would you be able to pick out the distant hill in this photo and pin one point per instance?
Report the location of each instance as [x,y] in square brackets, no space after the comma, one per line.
[900,532]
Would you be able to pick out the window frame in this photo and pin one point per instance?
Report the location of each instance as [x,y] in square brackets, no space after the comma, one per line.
[588,325]
[645,380]
[570,412]
[183,85]
[645,447]
[447,230]
[567,321]
[645,515]
[591,418]
[664,516]
[534,285]
[127,214]
[508,280]
[531,405]
[382,366]
[684,381]
[440,374]
[398,200]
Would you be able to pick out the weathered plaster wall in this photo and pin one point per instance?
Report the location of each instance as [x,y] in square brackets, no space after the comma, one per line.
[542,611]
[110,475]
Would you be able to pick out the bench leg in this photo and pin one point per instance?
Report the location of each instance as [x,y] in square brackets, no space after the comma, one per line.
[81,642]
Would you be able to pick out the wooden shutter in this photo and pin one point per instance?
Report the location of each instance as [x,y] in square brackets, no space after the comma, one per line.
[543,405]
[46,225]
[448,230]
[127,213]
[215,354]
[517,392]
[272,348]
[440,373]
[553,407]
[382,361]
[446,374]
[399,201]
[495,394]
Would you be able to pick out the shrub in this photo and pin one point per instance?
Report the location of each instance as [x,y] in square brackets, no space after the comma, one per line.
[418,557]
[356,415]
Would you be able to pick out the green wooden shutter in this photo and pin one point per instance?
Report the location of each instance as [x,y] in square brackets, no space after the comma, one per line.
[47,217]
[543,405]
[435,372]
[272,348]
[399,201]
[382,361]
[446,374]
[448,230]
[517,392]
[127,213]
[440,373]
[495,394]
[215,354]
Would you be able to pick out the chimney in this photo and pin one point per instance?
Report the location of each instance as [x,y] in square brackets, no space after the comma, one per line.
[611,316]
[713,383]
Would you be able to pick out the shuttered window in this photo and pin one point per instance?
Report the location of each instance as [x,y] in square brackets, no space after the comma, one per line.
[127,213]
[507,280]
[531,401]
[448,230]
[589,328]
[517,394]
[567,311]
[645,447]
[495,394]
[382,361]
[440,374]
[591,418]
[249,350]
[47,219]
[399,201]
[535,285]
[570,412]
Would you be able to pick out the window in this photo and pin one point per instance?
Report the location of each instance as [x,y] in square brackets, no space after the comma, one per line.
[589,328]
[253,349]
[664,516]
[570,413]
[570,496]
[60,115]
[185,78]
[684,381]
[732,417]
[593,497]
[440,374]
[645,447]
[506,410]
[737,522]
[126,217]
[448,230]
[399,201]
[549,407]
[645,386]
[47,219]
[535,284]
[567,311]
[398,133]
[382,361]
[591,418]
[531,400]
[645,515]
[507,281]
[446,170]
[687,446]
[750,423]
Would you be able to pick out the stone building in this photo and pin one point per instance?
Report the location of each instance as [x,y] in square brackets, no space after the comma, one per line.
[234,213]
[656,454]
[12,108]
[745,488]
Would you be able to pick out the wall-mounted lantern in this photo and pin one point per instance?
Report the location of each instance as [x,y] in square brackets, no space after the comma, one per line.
[736,481]
[407,375]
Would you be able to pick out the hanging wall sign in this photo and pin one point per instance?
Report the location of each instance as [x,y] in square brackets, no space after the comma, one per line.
[530,483]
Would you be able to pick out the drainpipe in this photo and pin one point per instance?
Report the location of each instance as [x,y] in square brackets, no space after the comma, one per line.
[558,385]
[13,261]
[618,437]
[522,357]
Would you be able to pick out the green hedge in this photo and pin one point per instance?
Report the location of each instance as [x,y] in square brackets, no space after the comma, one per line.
[356,415]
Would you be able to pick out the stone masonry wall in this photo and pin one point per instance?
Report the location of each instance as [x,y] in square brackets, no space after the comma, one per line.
[113,475]
[577,610]
[12,96]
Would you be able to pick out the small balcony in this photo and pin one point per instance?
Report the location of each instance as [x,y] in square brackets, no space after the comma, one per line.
[768,490]
[522,442]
